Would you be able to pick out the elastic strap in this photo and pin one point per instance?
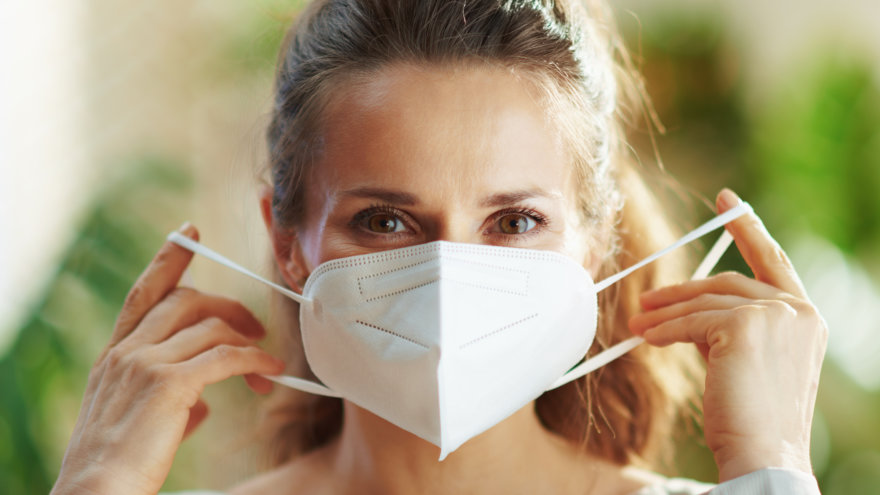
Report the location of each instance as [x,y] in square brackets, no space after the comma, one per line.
[302,384]
[709,261]
[715,223]
[185,242]
[286,380]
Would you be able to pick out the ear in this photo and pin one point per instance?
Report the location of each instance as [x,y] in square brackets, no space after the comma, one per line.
[285,245]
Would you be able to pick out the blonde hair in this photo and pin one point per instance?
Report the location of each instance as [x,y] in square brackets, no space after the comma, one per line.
[569,51]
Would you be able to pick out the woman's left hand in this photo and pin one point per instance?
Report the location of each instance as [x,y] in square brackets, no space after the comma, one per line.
[763,341]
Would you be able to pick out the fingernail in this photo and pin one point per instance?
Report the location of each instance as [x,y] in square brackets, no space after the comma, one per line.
[631,324]
[728,199]
[188,230]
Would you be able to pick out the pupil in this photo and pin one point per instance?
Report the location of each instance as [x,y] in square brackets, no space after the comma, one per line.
[514,225]
[383,223]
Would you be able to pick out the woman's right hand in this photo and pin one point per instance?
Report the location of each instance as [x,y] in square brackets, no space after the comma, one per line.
[142,396]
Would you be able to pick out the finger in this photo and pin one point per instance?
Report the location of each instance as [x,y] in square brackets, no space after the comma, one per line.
[157,280]
[639,323]
[761,252]
[223,361]
[692,328]
[184,307]
[731,283]
[704,351]
[194,340]
[258,384]
[197,414]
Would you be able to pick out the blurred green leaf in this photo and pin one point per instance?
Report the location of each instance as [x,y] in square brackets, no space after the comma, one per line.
[42,377]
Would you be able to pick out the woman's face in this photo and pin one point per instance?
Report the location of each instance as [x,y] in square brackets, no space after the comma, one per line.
[419,154]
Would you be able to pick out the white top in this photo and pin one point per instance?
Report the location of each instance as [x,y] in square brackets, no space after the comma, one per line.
[770,481]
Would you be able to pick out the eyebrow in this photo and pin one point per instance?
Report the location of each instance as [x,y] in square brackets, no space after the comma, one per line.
[386,195]
[406,199]
[508,198]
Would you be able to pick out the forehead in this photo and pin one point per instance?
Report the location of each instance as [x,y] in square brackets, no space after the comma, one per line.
[458,131]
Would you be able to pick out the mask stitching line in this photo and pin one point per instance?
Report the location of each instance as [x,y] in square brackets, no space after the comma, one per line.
[399,291]
[361,287]
[494,267]
[550,256]
[469,284]
[494,289]
[493,332]
[374,257]
[386,272]
[497,268]
[458,260]
[390,332]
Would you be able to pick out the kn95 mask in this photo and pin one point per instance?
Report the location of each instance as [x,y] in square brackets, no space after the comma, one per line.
[446,339]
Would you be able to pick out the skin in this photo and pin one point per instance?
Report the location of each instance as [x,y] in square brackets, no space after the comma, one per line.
[463,154]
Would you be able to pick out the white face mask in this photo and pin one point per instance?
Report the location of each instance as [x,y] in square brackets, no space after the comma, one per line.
[444,339]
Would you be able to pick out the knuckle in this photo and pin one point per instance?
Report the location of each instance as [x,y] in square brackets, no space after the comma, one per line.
[220,333]
[139,292]
[157,373]
[704,299]
[744,317]
[181,294]
[730,278]
[774,255]
[161,257]
[781,308]
[808,309]
[170,386]
[812,318]
[116,358]
[223,351]
[213,324]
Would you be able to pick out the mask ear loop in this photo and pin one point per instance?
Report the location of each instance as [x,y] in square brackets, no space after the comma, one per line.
[288,381]
[185,242]
[709,261]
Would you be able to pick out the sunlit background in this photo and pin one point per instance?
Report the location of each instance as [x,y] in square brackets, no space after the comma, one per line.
[120,120]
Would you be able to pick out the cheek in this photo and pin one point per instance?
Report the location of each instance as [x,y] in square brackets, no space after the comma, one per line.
[335,245]
[580,242]
[578,246]
[317,241]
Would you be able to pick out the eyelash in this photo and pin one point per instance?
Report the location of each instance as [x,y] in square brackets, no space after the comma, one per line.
[541,221]
[363,215]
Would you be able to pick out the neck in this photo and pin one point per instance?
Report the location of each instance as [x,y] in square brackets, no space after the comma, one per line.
[517,455]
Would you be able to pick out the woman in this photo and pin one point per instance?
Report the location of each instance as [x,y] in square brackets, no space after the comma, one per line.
[398,124]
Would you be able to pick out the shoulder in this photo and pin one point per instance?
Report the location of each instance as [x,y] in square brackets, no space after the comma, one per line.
[769,481]
[675,486]
[651,483]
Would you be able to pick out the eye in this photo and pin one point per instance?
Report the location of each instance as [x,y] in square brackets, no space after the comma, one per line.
[381,220]
[384,223]
[516,223]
